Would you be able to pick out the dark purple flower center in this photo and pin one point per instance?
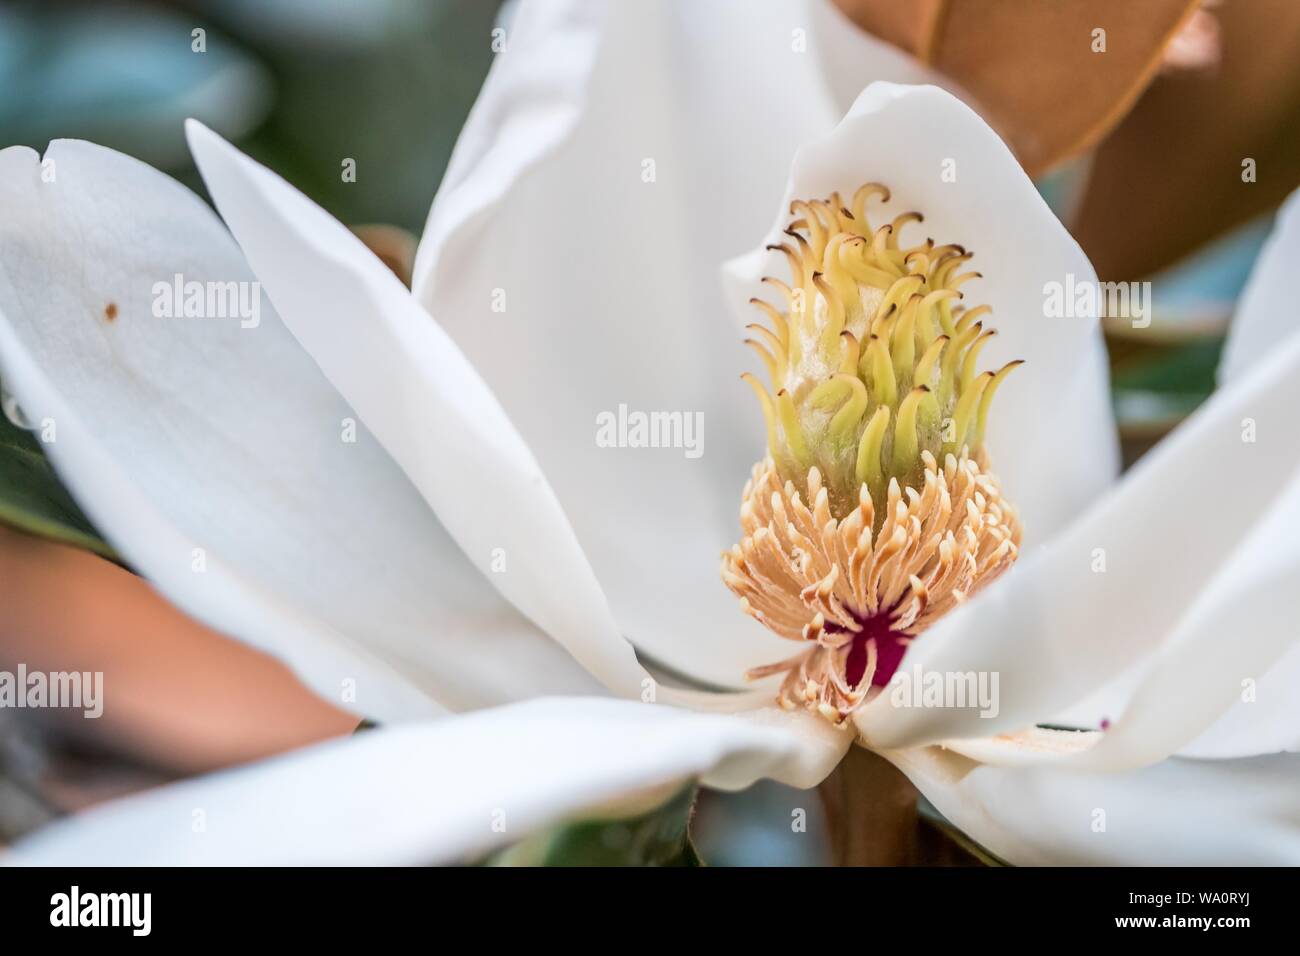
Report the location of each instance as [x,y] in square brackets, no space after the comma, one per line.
[890,647]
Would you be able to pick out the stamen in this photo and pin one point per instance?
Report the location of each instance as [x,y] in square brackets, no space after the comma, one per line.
[859,602]
[878,412]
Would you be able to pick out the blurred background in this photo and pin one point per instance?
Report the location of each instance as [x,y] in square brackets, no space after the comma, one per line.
[1151,180]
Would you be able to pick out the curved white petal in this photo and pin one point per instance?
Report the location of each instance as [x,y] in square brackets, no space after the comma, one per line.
[1026,748]
[1051,435]
[1198,547]
[1232,637]
[1266,312]
[1265,716]
[821,744]
[1265,713]
[213,456]
[618,155]
[436,792]
[1218,684]
[422,400]
[1228,667]
[1263,720]
[1179,812]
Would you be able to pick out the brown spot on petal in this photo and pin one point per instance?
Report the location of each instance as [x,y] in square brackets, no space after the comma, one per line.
[110,311]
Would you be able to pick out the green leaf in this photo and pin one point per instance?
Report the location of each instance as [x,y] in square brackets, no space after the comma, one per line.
[33,500]
[658,838]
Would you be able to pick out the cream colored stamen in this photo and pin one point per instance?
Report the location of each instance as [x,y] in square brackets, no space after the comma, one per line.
[818,580]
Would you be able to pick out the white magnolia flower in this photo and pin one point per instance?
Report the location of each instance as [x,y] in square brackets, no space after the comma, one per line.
[474,546]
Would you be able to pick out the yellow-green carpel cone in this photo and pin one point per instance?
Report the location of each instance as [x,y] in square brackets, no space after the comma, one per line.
[875,511]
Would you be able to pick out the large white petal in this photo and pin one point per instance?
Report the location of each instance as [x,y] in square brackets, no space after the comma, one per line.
[822,744]
[421,399]
[1229,667]
[1243,619]
[178,434]
[1265,714]
[425,793]
[1218,682]
[610,274]
[1267,312]
[1221,657]
[1198,545]
[1179,812]
[1261,722]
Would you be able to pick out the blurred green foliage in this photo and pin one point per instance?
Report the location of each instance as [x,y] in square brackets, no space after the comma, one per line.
[32,498]
[658,838]
[299,85]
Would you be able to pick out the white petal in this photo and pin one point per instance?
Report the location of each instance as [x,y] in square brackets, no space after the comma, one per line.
[1177,813]
[1266,313]
[177,434]
[1229,666]
[821,744]
[1259,614]
[1265,717]
[1220,684]
[427,793]
[1198,545]
[1027,748]
[611,282]
[1231,637]
[1051,435]
[422,400]
[1265,721]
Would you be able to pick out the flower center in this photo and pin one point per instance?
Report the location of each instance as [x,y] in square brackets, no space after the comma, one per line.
[878,411]
[877,646]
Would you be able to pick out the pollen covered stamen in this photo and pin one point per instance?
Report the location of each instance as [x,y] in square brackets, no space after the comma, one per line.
[874,513]
[872,357]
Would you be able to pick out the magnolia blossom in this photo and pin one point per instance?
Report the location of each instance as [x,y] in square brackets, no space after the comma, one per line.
[401,495]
